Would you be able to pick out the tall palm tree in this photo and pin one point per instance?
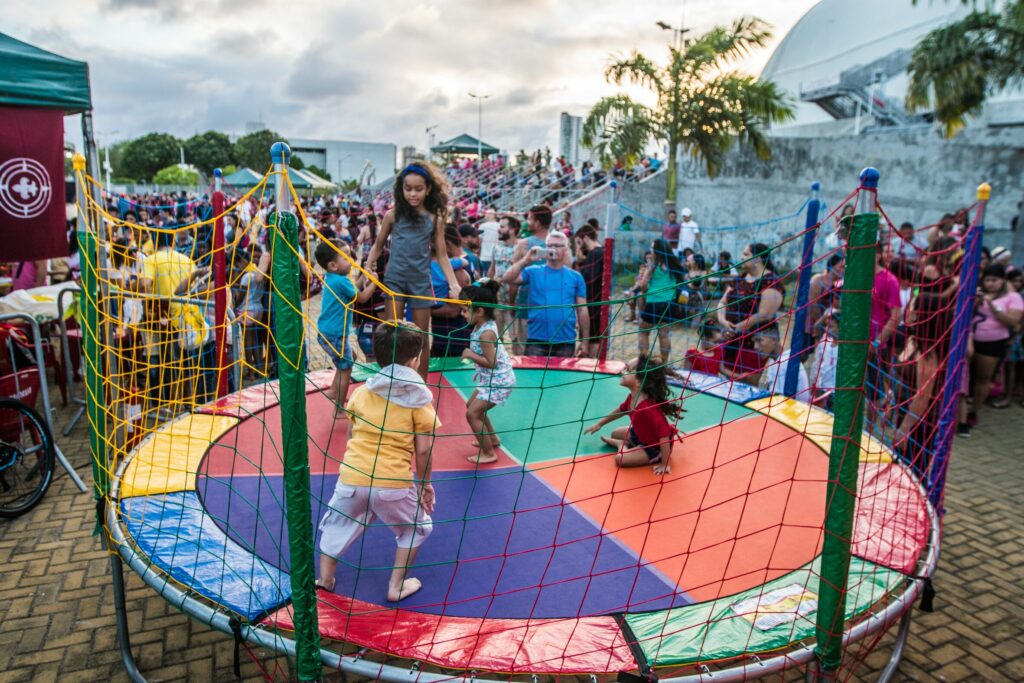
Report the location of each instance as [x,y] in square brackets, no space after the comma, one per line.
[955,68]
[702,104]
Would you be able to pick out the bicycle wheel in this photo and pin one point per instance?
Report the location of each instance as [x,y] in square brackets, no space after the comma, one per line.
[26,458]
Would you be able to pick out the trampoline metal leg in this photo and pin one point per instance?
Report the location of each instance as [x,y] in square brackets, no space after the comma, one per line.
[120,611]
[897,648]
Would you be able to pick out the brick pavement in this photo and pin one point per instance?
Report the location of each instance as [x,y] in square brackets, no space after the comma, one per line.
[57,620]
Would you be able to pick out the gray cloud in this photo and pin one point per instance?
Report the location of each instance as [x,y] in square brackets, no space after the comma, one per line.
[383,72]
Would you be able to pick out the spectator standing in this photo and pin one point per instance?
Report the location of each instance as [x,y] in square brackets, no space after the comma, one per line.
[591,267]
[538,225]
[689,233]
[488,238]
[555,290]
[1000,309]
[670,230]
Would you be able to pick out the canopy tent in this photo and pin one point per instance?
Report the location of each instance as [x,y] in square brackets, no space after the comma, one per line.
[32,77]
[245,178]
[315,181]
[464,144]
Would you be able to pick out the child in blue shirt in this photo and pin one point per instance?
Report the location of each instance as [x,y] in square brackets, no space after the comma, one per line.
[335,323]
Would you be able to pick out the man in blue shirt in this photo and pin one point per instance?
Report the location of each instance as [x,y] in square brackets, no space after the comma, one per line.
[555,289]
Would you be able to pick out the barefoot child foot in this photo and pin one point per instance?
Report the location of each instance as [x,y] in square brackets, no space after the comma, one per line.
[609,441]
[482,458]
[408,587]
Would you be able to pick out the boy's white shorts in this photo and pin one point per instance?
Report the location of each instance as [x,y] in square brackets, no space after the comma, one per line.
[354,508]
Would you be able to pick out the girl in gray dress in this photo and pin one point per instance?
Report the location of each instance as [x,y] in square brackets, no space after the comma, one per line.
[416,221]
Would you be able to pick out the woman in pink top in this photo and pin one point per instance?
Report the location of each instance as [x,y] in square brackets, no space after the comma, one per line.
[999,313]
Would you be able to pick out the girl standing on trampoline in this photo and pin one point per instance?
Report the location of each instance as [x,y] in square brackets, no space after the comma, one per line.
[416,220]
[649,437]
[494,377]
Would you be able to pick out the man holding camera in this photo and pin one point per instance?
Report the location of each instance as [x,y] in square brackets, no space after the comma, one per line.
[554,290]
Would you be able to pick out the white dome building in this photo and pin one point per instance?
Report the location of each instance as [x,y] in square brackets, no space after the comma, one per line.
[845,64]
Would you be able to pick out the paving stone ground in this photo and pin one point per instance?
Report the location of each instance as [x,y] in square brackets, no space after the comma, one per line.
[57,610]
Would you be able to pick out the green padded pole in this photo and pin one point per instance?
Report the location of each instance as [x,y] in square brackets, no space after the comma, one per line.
[848,426]
[288,333]
[91,347]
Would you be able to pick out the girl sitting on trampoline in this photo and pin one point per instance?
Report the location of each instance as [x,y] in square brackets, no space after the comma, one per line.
[649,437]
[390,432]
[494,377]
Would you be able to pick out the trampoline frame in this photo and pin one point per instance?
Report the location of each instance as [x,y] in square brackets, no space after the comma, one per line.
[748,667]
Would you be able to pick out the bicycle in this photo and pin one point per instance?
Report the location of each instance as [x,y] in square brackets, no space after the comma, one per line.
[27,449]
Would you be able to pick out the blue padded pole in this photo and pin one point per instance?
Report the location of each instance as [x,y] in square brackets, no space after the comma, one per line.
[962,314]
[799,341]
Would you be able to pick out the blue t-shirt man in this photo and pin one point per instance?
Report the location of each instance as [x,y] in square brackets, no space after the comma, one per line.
[552,298]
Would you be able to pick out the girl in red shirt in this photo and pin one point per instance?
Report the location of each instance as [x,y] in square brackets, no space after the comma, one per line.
[708,358]
[648,438]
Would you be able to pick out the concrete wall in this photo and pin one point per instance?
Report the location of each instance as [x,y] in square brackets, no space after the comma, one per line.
[923,177]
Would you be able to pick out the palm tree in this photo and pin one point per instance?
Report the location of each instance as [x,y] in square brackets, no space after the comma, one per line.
[703,106]
[955,68]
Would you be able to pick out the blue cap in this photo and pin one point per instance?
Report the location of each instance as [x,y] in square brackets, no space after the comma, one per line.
[815,186]
[280,153]
[869,178]
[217,173]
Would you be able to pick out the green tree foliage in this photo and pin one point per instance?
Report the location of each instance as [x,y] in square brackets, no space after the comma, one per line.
[297,162]
[318,171]
[209,150]
[957,67]
[142,157]
[175,175]
[702,104]
[253,150]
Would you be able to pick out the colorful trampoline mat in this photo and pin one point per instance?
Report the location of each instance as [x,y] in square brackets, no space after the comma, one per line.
[552,559]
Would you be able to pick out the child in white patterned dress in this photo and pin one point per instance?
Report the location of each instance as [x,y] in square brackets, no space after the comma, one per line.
[494,377]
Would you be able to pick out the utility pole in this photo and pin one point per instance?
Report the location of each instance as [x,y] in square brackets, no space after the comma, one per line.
[479,124]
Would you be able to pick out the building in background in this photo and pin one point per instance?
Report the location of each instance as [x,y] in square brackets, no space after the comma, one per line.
[570,134]
[372,162]
[845,65]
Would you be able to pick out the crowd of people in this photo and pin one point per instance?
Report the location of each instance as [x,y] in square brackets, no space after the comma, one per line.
[409,255]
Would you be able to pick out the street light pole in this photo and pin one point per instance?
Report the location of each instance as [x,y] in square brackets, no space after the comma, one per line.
[479,125]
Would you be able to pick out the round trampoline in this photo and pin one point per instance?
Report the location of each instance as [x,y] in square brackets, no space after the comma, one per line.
[552,560]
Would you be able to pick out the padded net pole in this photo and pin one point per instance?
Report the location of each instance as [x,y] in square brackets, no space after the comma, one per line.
[800,337]
[963,313]
[220,280]
[608,269]
[288,332]
[89,249]
[848,427]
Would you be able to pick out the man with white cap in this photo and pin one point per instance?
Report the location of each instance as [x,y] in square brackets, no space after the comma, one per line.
[689,233]
[1002,256]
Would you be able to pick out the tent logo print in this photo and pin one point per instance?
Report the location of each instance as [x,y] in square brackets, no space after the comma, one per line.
[25,188]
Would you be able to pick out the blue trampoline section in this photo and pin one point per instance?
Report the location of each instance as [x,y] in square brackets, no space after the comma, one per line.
[737,392]
[544,560]
[177,534]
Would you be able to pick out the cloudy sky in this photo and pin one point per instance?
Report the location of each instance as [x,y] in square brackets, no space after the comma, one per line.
[375,71]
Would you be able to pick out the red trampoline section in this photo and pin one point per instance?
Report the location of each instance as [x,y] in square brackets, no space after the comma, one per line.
[506,645]
[252,448]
